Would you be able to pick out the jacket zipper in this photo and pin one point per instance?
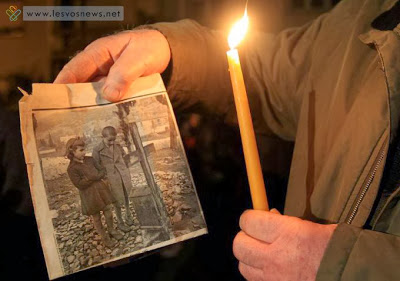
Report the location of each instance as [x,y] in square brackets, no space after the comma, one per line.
[370,177]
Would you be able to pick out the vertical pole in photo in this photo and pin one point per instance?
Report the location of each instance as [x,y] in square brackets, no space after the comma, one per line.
[173,143]
[157,194]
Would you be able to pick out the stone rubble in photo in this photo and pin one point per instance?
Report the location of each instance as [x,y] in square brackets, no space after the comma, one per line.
[80,246]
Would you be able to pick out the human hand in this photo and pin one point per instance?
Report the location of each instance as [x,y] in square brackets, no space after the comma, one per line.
[276,247]
[118,60]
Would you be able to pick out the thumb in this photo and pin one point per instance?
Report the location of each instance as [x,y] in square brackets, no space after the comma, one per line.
[128,67]
[275,211]
[147,52]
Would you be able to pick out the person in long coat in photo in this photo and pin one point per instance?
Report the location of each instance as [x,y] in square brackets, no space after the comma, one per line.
[110,156]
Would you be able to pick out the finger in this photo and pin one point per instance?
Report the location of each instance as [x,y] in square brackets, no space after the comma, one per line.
[249,250]
[95,60]
[82,68]
[262,225]
[99,78]
[250,273]
[139,58]
[275,211]
[130,66]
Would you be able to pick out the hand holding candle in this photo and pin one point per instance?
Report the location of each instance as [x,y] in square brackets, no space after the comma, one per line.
[252,159]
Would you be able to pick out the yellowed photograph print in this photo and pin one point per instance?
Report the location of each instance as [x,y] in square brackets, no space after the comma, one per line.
[116,182]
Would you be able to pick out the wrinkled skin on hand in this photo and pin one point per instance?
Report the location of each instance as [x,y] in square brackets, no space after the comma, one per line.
[276,247]
[118,60]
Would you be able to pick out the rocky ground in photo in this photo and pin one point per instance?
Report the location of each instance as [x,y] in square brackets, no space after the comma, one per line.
[79,244]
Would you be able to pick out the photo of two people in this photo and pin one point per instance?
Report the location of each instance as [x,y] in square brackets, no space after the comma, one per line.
[116,179]
[97,193]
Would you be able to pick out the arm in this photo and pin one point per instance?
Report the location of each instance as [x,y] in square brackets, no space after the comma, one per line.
[97,160]
[98,165]
[275,70]
[357,254]
[98,176]
[125,156]
[80,181]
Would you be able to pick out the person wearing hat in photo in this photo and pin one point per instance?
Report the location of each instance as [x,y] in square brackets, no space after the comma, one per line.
[93,190]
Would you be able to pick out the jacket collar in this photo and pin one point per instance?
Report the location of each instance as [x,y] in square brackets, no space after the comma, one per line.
[101,146]
[103,150]
[73,162]
[387,43]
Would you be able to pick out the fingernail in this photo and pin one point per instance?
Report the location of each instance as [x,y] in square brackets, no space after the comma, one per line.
[275,211]
[111,94]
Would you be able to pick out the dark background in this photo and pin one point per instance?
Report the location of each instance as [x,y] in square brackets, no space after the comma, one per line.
[32,52]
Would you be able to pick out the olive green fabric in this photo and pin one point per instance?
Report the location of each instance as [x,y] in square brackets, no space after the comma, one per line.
[333,87]
[338,252]
[356,254]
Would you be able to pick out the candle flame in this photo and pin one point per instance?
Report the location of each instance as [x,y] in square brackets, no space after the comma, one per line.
[238,31]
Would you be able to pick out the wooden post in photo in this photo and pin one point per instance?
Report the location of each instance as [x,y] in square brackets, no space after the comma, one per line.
[156,192]
[172,133]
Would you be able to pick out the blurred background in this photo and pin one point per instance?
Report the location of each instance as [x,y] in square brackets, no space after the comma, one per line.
[32,52]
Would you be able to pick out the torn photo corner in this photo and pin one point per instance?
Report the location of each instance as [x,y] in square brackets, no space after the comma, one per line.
[108,180]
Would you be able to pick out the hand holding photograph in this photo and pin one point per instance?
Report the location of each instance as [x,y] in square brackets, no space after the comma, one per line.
[108,180]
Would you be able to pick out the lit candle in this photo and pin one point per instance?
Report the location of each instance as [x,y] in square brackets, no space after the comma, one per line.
[252,159]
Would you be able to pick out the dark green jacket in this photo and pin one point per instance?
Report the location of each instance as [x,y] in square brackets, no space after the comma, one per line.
[333,87]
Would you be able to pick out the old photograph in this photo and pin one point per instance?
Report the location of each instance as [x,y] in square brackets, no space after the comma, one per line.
[116,180]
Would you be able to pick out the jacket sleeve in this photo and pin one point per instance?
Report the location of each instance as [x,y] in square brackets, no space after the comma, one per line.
[97,176]
[357,254]
[97,160]
[275,70]
[78,179]
[125,157]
